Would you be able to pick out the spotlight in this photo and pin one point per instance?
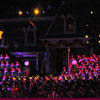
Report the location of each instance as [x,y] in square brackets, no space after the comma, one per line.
[87,25]
[74,62]
[86,36]
[1,32]
[99,35]
[27,12]
[43,11]
[87,42]
[91,12]
[20,13]
[36,11]
[26,63]
[99,41]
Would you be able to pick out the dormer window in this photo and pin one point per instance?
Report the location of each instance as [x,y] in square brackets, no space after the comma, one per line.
[69,24]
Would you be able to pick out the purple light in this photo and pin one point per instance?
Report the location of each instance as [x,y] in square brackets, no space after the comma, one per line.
[74,62]
[43,11]
[27,12]
[26,63]
[87,25]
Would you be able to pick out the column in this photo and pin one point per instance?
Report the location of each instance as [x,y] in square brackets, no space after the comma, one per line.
[47,54]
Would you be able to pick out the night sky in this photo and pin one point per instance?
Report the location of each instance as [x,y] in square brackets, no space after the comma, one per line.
[80,7]
[84,11]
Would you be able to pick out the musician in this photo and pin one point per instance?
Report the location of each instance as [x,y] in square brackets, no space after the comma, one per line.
[6,57]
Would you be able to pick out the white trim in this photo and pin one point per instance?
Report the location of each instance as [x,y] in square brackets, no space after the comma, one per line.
[67,39]
[6,20]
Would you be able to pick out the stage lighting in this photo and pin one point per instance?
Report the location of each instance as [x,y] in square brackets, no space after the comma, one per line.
[30,78]
[91,12]
[26,63]
[43,11]
[1,32]
[36,11]
[87,42]
[20,13]
[74,62]
[99,41]
[86,36]
[27,12]
[87,25]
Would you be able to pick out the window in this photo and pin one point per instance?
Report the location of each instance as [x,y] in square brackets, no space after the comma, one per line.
[69,24]
[30,36]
